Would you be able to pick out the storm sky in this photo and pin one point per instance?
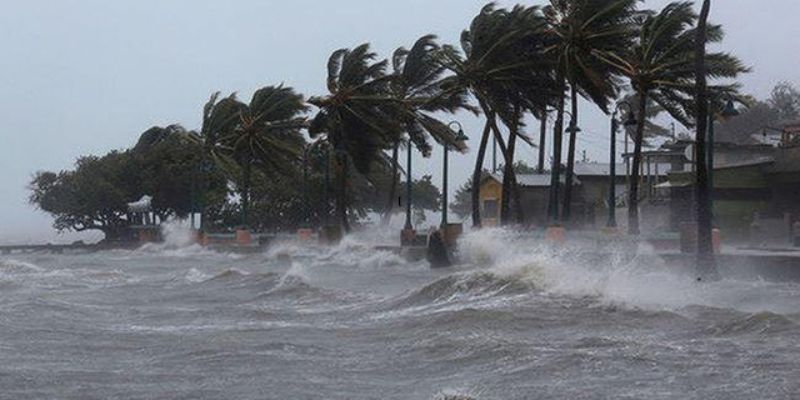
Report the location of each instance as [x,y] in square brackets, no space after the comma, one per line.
[84,77]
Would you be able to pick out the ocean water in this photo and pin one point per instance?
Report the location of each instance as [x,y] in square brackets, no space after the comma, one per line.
[517,320]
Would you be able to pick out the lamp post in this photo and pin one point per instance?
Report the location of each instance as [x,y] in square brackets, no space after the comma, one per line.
[460,137]
[573,131]
[306,205]
[612,189]
[542,139]
[326,189]
[408,225]
[728,112]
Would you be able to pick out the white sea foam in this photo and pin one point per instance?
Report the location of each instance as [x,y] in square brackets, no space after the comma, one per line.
[642,282]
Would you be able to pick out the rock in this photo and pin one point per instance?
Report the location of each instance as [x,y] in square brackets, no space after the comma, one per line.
[438,254]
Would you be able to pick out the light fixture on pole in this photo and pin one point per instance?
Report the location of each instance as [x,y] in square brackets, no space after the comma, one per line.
[728,112]
[612,189]
[459,138]
[408,226]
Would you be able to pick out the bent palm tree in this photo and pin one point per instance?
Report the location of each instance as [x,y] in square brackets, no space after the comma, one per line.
[417,85]
[502,66]
[358,115]
[219,117]
[661,67]
[266,135]
[580,30]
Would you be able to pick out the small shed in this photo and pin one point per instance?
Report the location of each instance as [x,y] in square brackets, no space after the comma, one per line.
[534,194]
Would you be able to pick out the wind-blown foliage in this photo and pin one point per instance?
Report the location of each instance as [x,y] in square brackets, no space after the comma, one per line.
[266,135]
[580,32]
[660,66]
[501,63]
[359,115]
[417,86]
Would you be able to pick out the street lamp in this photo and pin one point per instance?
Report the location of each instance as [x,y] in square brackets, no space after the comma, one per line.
[408,227]
[542,139]
[573,131]
[460,137]
[306,204]
[612,190]
[729,111]
[326,211]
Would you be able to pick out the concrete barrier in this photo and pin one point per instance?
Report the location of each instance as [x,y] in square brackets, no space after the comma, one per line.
[556,234]
[244,237]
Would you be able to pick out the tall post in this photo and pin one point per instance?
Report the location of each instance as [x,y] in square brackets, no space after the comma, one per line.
[306,205]
[612,188]
[326,203]
[408,225]
[710,160]
[542,144]
[627,160]
[444,188]
[494,155]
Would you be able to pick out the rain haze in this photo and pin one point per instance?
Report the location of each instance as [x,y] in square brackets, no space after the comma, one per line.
[85,77]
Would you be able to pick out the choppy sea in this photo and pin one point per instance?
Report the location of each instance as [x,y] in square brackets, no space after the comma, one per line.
[517,320]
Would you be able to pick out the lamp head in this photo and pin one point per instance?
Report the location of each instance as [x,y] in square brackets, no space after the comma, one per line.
[630,120]
[573,129]
[729,111]
[460,136]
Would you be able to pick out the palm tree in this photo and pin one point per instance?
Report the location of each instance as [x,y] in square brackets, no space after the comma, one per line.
[501,64]
[661,67]
[266,135]
[359,115]
[220,116]
[417,85]
[580,30]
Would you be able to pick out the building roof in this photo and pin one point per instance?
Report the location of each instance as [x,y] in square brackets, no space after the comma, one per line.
[533,180]
[603,170]
[597,169]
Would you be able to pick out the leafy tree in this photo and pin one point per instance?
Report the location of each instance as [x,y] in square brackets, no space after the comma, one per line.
[462,202]
[785,99]
[358,115]
[660,66]
[165,163]
[92,197]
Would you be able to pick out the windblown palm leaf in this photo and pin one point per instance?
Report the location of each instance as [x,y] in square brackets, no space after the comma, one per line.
[417,85]
[359,115]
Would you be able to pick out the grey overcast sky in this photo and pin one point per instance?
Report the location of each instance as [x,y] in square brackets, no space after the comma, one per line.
[87,76]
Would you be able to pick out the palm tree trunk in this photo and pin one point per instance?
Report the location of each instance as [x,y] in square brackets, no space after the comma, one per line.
[508,177]
[633,192]
[573,135]
[510,186]
[246,176]
[555,174]
[387,212]
[477,173]
[341,197]
[542,139]
[705,256]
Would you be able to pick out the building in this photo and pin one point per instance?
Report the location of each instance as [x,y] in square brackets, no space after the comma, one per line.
[534,196]
[590,199]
